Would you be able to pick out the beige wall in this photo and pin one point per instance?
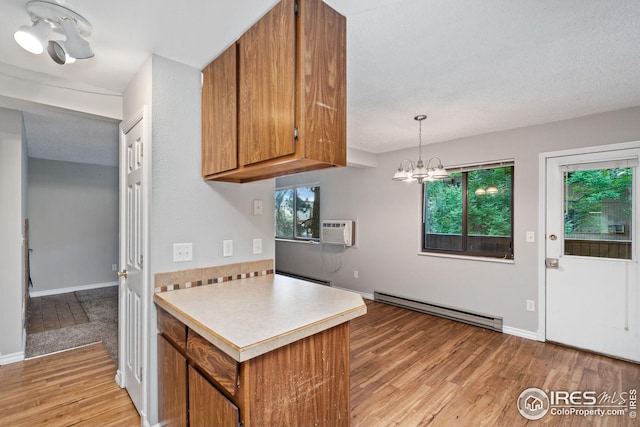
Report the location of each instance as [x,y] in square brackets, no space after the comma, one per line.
[390,215]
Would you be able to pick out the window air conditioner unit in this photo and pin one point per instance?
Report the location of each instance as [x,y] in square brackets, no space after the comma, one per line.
[337,232]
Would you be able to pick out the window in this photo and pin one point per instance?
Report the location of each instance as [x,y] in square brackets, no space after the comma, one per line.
[470,212]
[598,211]
[297,213]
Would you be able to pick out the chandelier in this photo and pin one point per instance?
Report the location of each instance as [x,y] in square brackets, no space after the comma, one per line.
[408,171]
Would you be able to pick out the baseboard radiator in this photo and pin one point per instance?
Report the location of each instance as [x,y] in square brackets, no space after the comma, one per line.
[477,319]
[317,280]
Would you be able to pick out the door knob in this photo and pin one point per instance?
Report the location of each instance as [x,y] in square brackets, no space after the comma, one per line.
[122,274]
[551,263]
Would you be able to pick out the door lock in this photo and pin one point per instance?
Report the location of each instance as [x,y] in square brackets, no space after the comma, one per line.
[553,237]
[551,263]
[122,274]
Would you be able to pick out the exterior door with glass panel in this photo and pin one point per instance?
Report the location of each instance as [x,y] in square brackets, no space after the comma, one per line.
[592,295]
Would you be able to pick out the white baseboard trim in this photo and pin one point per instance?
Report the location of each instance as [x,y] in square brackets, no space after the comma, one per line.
[11,358]
[520,333]
[35,294]
[118,379]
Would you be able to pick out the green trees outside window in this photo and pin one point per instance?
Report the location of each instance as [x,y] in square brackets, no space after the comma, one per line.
[470,212]
[297,213]
[598,218]
[597,199]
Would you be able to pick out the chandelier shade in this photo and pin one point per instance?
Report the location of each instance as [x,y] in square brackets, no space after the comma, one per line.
[408,171]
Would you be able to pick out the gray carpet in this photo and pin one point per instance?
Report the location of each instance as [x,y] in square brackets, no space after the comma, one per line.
[101,306]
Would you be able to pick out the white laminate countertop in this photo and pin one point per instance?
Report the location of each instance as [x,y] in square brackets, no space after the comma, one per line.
[249,317]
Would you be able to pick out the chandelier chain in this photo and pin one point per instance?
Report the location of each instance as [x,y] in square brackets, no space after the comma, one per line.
[419,139]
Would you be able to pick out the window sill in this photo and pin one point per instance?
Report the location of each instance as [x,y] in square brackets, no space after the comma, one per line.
[468,257]
[308,242]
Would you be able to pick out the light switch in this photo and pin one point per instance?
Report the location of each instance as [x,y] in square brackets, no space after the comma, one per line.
[227,248]
[187,251]
[257,246]
[182,252]
[257,207]
[531,236]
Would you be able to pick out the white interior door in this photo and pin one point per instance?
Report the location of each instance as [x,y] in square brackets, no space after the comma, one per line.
[133,306]
[592,295]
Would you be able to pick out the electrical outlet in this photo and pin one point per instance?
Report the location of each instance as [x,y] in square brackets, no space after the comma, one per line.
[227,248]
[114,267]
[355,274]
[531,305]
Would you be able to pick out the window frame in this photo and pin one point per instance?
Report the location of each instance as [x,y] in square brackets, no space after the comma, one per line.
[295,213]
[465,252]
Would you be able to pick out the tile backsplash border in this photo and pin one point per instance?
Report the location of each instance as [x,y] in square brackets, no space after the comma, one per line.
[183,279]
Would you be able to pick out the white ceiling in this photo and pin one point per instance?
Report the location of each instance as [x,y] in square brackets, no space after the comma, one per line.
[473,66]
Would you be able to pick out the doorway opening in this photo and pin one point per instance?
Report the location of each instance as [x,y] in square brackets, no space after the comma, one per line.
[71,250]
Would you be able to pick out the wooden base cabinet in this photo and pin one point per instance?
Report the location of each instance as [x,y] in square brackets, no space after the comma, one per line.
[274,103]
[207,406]
[305,383]
[172,385]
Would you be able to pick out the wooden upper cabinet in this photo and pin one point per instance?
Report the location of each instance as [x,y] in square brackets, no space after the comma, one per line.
[266,77]
[321,83]
[290,74]
[219,114]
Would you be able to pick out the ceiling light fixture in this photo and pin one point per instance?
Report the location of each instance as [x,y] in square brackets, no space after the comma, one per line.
[74,47]
[48,17]
[32,38]
[418,172]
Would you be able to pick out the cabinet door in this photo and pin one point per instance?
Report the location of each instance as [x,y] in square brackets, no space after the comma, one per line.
[266,79]
[322,82]
[207,406]
[172,385]
[219,113]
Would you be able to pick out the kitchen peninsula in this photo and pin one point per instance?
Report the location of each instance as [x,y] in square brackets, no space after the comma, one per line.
[263,351]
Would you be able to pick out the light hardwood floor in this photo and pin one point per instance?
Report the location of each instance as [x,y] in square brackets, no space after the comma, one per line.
[412,369]
[407,369]
[72,388]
